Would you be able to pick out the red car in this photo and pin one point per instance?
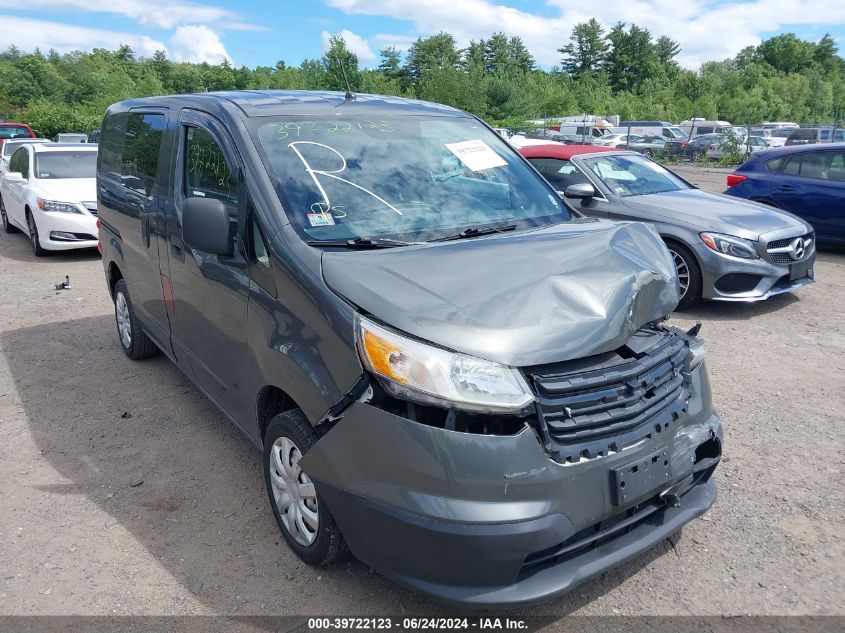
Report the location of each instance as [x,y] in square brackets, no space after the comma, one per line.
[14,130]
[546,159]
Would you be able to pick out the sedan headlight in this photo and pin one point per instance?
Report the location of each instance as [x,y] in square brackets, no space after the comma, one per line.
[415,370]
[60,207]
[730,245]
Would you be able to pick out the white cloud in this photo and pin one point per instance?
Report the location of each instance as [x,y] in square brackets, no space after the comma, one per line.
[401,42]
[28,34]
[198,43]
[162,14]
[355,43]
[706,29]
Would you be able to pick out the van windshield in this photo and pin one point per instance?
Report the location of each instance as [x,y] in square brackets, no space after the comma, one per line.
[409,178]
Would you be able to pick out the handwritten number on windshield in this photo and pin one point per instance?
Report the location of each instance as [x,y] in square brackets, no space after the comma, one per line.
[315,173]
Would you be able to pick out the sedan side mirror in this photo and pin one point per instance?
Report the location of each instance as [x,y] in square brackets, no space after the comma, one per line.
[583,191]
[206,226]
[14,176]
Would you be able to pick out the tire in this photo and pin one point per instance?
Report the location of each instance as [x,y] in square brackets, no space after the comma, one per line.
[688,271]
[317,541]
[7,226]
[37,249]
[647,152]
[135,343]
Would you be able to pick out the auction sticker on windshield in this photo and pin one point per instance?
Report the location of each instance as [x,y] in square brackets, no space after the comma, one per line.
[476,155]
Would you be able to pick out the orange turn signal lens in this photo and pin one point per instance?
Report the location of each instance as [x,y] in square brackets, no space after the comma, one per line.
[386,358]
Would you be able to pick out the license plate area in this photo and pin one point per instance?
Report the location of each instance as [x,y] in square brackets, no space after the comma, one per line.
[637,478]
[800,270]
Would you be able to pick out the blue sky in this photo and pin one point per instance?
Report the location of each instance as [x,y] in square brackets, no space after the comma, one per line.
[261,32]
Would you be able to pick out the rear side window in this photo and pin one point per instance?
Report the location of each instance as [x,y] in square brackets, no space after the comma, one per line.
[207,174]
[793,167]
[129,149]
[775,163]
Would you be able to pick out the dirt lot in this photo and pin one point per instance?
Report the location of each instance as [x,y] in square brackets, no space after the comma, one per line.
[125,492]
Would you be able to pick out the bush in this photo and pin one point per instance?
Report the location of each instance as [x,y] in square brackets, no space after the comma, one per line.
[49,119]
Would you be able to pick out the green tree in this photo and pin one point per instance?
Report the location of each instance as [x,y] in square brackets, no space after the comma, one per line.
[587,49]
[666,49]
[437,52]
[519,56]
[632,57]
[496,54]
[340,65]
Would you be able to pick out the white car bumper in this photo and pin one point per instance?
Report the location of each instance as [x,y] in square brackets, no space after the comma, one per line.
[65,231]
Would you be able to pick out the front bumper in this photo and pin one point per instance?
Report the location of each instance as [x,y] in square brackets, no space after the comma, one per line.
[83,226]
[487,520]
[767,279]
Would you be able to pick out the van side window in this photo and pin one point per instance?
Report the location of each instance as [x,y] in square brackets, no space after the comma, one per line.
[129,149]
[207,174]
[259,246]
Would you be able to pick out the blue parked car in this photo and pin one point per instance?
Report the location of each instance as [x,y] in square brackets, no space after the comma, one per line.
[806,180]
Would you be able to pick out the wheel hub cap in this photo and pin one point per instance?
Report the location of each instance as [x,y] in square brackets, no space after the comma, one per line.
[683,272]
[124,323]
[293,492]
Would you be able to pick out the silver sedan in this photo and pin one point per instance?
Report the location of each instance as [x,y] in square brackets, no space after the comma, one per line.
[724,249]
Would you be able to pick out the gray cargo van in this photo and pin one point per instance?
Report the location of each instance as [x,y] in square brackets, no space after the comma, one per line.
[448,371]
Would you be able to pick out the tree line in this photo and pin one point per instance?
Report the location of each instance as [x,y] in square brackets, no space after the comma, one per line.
[624,71]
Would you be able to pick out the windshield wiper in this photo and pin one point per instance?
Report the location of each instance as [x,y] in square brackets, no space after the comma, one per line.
[476,231]
[361,242]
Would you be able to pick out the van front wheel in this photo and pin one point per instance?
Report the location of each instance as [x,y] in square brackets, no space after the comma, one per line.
[304,519]
[135,343]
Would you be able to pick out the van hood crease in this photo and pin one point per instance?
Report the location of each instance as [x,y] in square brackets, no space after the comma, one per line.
[567,291]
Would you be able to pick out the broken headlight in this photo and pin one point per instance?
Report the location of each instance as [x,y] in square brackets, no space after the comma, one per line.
[729,245]
[412,369]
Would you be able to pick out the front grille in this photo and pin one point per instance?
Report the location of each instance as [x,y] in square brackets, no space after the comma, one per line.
[786,258]
[593,406]
[91,206]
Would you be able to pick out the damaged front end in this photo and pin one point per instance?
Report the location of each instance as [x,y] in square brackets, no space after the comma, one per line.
[614,454]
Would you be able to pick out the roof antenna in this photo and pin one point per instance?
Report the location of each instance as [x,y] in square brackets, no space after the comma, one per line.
[349,96]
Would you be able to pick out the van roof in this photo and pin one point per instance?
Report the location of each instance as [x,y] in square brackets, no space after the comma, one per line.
[280,102]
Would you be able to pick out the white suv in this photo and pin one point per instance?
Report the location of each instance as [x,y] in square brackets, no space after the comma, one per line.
[49,192]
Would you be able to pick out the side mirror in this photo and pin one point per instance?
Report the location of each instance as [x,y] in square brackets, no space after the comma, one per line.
[206,226]
[583,191]
[14,176]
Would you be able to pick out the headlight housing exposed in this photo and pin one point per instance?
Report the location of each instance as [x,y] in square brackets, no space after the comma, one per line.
[418,371]
[697,352]
[730,245]
[60,207]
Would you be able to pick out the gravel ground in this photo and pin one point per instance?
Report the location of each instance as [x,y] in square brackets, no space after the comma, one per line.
[126,492]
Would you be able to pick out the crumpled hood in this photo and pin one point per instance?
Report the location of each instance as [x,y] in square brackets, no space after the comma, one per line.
[714,212]
[567,291]
[69,189]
